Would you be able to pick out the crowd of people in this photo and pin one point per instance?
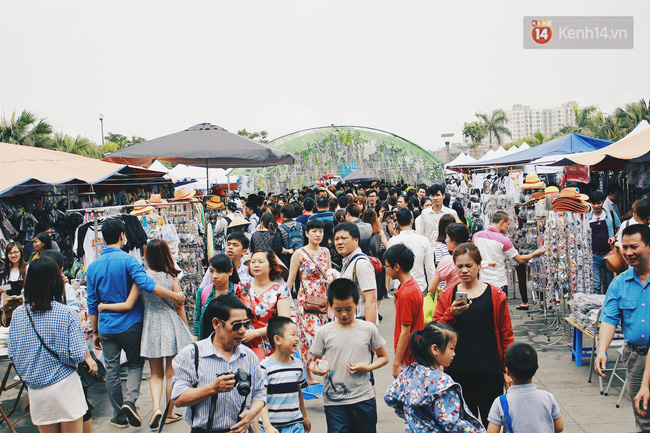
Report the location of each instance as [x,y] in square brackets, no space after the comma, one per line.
[299,285]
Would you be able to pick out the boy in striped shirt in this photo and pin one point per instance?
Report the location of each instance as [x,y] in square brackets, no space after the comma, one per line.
[283,377]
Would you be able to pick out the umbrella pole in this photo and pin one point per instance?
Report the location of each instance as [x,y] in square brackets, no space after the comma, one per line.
[207,178]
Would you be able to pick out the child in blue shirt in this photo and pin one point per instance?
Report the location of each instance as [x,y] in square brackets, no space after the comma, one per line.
[283,377]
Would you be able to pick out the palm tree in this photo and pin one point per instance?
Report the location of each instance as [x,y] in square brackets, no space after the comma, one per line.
[80,145]
[25,129]
[494,124]
[632,114]
[583,121]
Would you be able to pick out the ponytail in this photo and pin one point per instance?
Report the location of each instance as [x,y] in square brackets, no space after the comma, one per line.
[421,341]
[268,221]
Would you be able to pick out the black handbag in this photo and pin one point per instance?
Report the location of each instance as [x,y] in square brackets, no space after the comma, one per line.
[83,370]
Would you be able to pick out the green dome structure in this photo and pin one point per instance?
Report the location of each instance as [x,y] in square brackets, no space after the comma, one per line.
[340,150]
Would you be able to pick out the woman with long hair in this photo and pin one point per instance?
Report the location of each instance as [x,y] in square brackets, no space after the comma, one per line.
[46,344]
[479,313]
[460,211]
[378,243]
[263,297]
[425,203]
[262,239]
[164,329]
[310,263]
[223,281]
[41,242]
[14,275]
[440,250]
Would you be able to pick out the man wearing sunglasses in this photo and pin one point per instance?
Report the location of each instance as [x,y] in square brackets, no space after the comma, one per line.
[213,379]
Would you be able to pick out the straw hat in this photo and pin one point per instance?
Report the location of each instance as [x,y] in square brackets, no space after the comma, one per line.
[214,203]
[157,199]
[573,193]
[571,200]
[533,182]
[141,208]
[183,194]
[551,190]
[238,221]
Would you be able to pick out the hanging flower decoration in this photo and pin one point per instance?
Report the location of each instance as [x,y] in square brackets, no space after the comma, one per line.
[345,149]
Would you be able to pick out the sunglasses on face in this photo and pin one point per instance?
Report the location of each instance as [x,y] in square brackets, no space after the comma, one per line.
[236,326]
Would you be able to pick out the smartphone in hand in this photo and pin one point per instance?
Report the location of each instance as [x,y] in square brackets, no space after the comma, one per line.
[462,296]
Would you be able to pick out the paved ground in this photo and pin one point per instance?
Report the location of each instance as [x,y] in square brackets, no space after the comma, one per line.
[583,408]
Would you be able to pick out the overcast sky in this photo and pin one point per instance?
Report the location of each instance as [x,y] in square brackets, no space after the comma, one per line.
[417,69]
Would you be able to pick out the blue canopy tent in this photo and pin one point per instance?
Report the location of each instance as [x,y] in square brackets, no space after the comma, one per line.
[571,143]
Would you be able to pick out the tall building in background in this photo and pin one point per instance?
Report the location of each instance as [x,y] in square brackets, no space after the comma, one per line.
[524,121]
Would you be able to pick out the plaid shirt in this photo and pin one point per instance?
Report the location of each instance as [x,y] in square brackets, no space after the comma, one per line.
[60,329]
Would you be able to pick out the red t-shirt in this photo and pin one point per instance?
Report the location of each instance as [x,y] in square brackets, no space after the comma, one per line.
[408,311]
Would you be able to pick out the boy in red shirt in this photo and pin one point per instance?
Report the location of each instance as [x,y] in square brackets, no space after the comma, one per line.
[409,315]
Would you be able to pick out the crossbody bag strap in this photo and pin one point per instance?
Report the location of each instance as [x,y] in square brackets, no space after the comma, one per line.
[193,407]
[315,263]
[506,411]
[53,353]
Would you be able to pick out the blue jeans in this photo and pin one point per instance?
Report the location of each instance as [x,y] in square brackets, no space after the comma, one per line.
[352,418]
[601,283]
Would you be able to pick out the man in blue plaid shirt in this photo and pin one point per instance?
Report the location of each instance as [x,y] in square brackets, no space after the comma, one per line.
[110,278]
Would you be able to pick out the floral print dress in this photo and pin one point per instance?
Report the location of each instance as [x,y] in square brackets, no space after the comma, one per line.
[262,307]
[312,282]
[430,401]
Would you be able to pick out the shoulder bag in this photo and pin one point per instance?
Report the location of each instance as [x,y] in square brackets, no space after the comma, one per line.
[315,304]
[82,369]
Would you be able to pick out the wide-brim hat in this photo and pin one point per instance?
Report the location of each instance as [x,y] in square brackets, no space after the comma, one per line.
[569,205]
[156,199]
[141,208]
[551,190]
[533,182]
[573,193]
[183,194]
[214,203]
[238,221]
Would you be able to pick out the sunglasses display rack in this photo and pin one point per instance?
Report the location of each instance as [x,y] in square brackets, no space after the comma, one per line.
[191,252]
[565,268]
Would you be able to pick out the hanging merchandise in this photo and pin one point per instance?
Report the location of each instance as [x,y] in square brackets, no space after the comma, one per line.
[187,222]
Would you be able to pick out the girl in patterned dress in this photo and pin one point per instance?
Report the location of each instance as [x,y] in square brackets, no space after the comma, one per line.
[427,398]
[164,329]
[313,262]
[263,297]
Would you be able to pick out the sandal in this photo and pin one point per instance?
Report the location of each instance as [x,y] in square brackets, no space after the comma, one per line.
[523,307]
[155,419]
[173,418]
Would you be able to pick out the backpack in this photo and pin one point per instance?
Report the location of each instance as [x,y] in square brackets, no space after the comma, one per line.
[294,239]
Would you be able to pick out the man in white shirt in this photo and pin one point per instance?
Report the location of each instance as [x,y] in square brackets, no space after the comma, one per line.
[357,267]
[613,191]
[423,266]
[430,218]
[495,247]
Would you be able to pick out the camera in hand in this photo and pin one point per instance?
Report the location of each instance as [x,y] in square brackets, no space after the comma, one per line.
[242,381]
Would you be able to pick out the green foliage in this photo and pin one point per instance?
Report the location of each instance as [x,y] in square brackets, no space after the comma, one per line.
[25,129]
[259,136]
[533,140]
[475,132]
[494,125]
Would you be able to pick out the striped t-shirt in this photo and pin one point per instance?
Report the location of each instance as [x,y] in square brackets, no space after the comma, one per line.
[283,381]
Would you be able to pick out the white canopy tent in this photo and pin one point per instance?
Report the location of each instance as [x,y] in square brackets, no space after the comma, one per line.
[217,176]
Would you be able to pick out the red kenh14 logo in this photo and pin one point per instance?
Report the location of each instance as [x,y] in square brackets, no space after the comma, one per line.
[541,31]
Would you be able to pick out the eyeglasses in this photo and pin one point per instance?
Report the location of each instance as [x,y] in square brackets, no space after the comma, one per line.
[236,326]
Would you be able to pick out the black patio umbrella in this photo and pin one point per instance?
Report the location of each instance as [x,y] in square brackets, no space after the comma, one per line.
[203,145]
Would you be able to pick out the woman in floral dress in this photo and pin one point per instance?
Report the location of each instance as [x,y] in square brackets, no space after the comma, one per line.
[312,261]
[263,297]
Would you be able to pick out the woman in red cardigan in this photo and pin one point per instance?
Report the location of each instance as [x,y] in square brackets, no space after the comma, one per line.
[479,314]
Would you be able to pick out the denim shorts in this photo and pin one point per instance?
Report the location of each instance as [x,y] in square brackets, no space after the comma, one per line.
[359,417]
